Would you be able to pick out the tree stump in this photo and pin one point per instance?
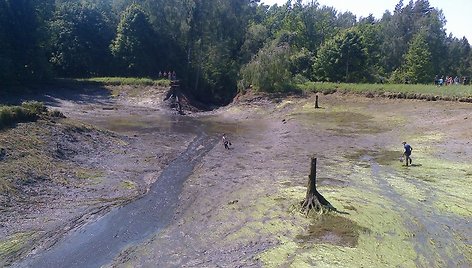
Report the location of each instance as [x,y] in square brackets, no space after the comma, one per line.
[314,201]
[316,102]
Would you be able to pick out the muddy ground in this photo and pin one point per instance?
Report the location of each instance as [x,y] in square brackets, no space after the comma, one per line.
[239,206]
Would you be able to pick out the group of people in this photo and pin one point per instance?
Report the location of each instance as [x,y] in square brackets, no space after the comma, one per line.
[449,80]
[169,75]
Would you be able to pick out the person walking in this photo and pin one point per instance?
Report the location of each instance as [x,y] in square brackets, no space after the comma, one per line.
[407,152]
[226,142]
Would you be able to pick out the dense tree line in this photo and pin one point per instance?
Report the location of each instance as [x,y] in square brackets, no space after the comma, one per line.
[216,46]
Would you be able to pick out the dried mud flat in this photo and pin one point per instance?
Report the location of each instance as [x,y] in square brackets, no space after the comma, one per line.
[239,207]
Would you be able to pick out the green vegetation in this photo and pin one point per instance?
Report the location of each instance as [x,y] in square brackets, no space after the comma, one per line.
[119,81]
[27,112]
[216,48]
[14,243]
[426,90]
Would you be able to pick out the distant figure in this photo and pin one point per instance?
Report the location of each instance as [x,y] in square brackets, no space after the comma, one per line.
[3,153]
[226,142]
[165,74]
[407,152]
[160,74]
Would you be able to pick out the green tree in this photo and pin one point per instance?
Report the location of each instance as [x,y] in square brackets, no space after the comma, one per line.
[342,58]
[133,46]
[399,28]
[22,53]
[418,67]
[80,38]
[215,39]
[458,62]
[269,70]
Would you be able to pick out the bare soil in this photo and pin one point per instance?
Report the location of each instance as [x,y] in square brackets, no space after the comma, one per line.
[239,206]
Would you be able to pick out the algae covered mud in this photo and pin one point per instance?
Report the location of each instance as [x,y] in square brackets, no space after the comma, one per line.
[239,206]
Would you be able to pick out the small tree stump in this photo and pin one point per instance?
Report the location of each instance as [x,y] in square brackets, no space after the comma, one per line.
[314,200]
[316,102]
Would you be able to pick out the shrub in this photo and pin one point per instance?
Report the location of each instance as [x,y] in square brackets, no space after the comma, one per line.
[35,107]
[268,71]
[27,112]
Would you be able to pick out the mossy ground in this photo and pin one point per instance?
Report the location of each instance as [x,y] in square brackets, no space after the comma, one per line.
[13,244]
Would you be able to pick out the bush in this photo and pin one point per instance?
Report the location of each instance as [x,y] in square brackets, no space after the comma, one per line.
[27,112]
[56,114]
[35,107]
[268,71]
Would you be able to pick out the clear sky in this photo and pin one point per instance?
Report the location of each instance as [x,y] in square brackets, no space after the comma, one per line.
[458,13]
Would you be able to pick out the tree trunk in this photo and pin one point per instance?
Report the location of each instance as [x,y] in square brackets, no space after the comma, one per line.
[314,200]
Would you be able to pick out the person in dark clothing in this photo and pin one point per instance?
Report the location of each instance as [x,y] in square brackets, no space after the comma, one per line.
[407,152]
[226,142]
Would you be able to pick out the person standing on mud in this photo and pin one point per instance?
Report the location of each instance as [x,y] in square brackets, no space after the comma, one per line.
[407,152]
[226,142]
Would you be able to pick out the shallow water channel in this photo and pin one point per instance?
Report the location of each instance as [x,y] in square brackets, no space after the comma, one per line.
[98,242]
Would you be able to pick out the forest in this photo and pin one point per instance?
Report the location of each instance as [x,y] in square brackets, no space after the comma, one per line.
[220,47]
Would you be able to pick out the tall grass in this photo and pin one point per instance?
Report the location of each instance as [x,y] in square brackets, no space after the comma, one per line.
[119,81]
[453,91]
[27,112]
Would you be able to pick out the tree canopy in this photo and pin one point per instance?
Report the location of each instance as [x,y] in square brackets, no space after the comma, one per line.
[217,45]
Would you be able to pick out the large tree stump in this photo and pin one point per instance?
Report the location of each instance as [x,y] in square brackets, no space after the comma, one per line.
[314,201]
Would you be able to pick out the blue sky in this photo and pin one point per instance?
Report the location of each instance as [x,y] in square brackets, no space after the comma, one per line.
[458,13]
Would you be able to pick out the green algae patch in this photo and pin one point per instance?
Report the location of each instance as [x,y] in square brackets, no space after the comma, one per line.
[266,215]
[13,244]
[382,157]
[372,233]
[280,255]
[90,175]
[448,180]
[427,138]
[340,120]
[333,229]
[129,185]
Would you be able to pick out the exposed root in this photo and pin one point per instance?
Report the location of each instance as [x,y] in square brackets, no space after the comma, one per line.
[317,205]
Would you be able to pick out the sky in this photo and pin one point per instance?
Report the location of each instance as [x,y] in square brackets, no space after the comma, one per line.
[458,13]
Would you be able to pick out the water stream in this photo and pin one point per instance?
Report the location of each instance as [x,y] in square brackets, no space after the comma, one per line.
[98,242]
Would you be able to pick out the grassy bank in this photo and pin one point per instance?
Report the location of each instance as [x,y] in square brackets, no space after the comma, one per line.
[119,81]
[406,91]
[27,112]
